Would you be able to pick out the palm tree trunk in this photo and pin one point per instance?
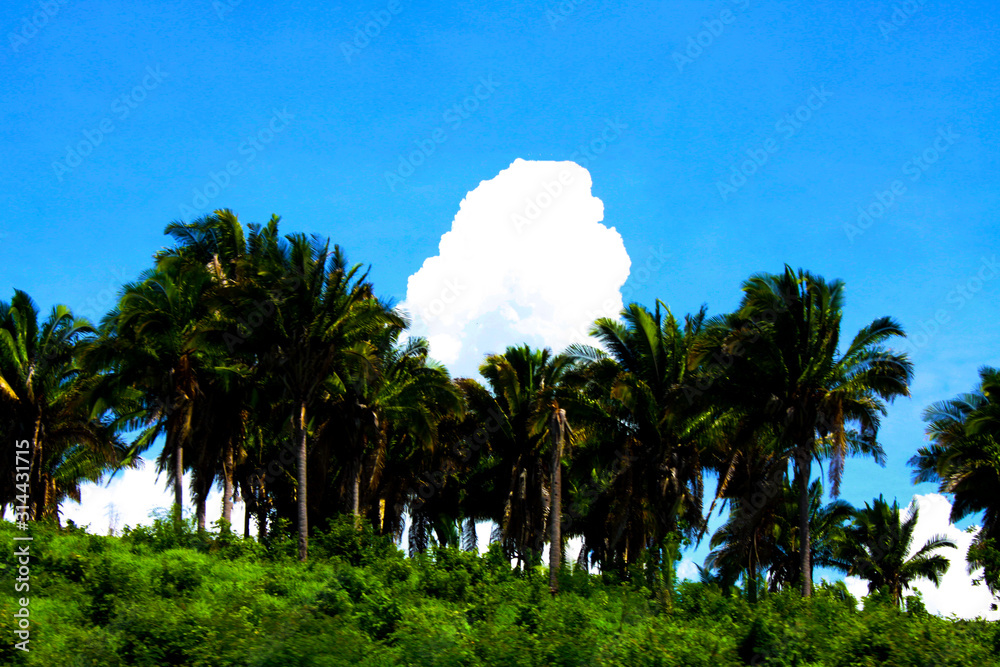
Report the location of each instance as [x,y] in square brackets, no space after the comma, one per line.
[200,511]
[227,483]
[260,505]
[48,499]
[178,473]
[557,430]
[356,489]
[804,472]
[246,521]
[261,522]
[36,505]
[301,491]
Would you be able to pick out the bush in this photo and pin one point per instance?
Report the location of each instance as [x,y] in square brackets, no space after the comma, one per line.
[112,602]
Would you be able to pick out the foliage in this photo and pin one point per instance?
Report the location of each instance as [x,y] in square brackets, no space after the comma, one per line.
[964,458]
[117,601]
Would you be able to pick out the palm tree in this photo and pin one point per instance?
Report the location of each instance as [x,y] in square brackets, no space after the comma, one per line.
[787,330]
[767,537]
[523,383]
[43,404]
[657,488]
[325,312]
[151,359]
[559,432]
[964,458]
[391,411]
[238,265]
[877,546]
[826,529]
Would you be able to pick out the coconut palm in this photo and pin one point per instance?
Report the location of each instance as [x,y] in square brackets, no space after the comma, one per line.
[390,411]
[877,547]
[826,529]
[787,328]
[324,314]
[238,265]
[656,487]
[766,536]
[522,382]
[559,433]
[43,404]
[964,458]
[151,359]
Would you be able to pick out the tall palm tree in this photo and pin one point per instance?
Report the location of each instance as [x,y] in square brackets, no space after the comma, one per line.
[787,328]
[324,314]
[559,432]
[964,458]
[767,537]
[238,265]
[151,359]
[390,411]
[43,402]
[522,382]
[658,487]
[877,546]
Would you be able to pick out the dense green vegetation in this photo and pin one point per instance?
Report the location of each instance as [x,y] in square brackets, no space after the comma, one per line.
[167,595]
[267,365]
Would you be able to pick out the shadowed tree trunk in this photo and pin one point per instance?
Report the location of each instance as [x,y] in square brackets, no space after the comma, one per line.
[200,511]
[301,491]
[227,482]
[178,474]
[356,490]
[557,431]
[35,471]
[804,470]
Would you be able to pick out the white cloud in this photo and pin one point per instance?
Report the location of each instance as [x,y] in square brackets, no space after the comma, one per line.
[130,499]
[527,260]
[956,595]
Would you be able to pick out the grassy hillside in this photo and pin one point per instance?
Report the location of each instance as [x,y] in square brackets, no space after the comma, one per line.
[160,596]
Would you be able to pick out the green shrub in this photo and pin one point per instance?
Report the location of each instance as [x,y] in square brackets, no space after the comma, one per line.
[378,615]
[181,571]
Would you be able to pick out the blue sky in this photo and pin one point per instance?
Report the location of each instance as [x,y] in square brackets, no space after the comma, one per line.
[747,134]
